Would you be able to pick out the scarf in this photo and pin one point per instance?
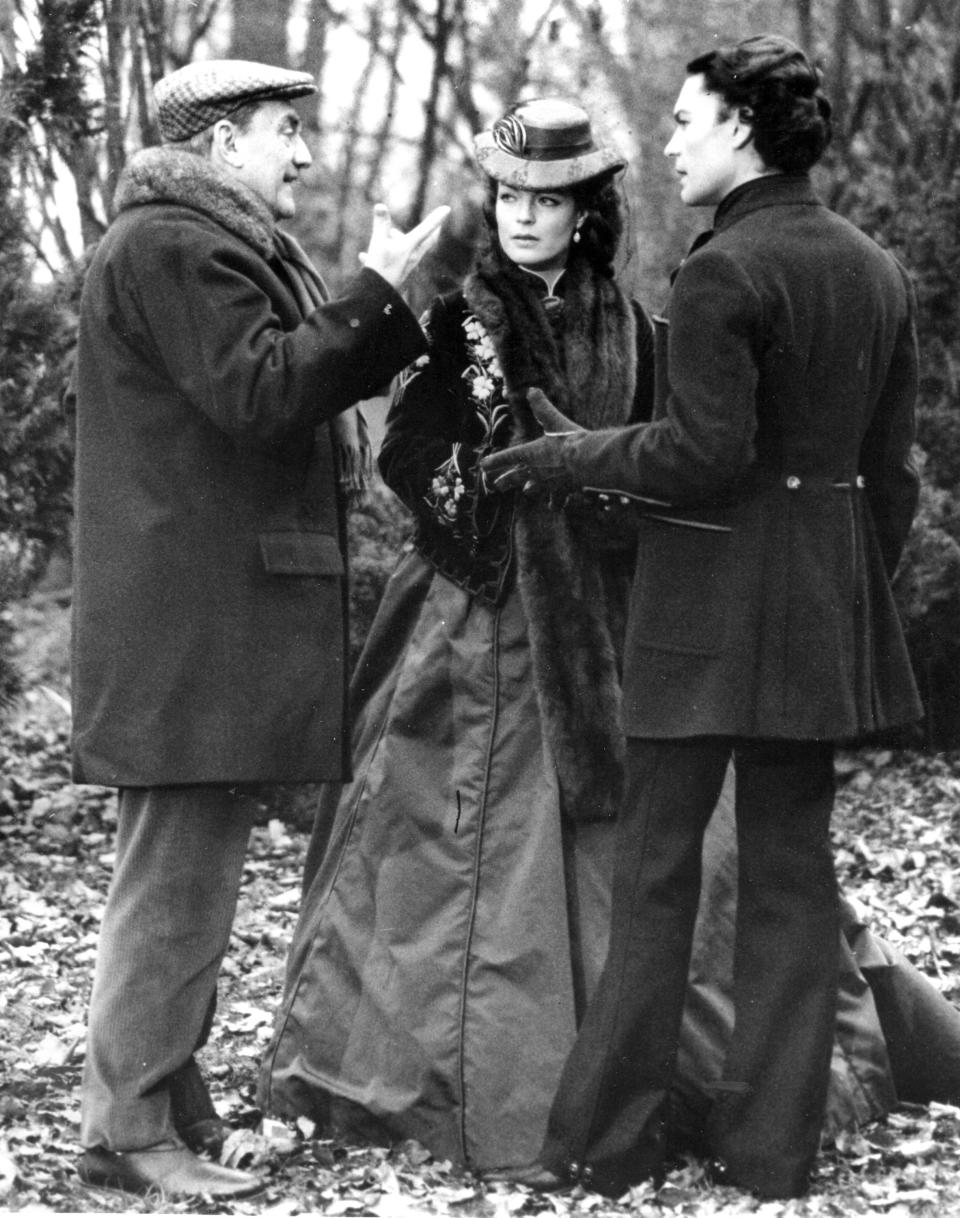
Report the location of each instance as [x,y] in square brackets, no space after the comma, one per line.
[588,371]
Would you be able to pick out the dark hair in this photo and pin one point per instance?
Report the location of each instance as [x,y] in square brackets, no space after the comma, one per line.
[602,227]
[776,89]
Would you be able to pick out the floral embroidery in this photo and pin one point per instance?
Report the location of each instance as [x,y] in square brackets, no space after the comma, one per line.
[447,489]
[485,377]
[448,495]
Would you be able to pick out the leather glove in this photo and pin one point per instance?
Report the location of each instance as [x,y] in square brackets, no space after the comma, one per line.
[537,466]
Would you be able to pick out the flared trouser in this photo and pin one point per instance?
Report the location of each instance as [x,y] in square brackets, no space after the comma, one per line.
[166,926]
[607,1122]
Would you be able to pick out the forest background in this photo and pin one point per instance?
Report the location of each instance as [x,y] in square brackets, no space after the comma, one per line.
[403,86]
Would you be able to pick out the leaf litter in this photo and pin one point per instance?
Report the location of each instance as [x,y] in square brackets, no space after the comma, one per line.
[898,854]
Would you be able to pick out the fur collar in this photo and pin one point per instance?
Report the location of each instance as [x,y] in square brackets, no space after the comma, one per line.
[588,369]
[571,596]
[170,175]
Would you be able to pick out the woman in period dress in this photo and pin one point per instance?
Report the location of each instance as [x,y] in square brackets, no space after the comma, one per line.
[459,915]
[456,920]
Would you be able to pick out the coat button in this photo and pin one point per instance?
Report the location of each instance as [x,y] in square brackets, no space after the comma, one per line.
[587,1174]
[573,1169]
[793,482]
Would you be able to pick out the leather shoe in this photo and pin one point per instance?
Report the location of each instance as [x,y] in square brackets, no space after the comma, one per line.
[531,1175]
[718,1171]
[168,1168]
[194,1116]
[205,1137]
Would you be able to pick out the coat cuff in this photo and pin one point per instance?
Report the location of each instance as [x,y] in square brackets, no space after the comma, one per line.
[376,299]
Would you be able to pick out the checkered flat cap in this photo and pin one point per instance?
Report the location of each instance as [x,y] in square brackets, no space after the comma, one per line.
[196,96]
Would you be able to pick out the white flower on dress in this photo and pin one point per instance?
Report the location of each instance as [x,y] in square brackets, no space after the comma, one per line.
[448,496]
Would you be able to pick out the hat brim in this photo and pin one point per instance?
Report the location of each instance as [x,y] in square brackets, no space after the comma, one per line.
[524,174]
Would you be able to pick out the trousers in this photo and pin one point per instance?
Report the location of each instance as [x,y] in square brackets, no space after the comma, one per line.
[608,1122]
[165,929]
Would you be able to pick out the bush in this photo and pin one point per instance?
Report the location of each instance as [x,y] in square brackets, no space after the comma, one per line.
[915,214]
[927,589]
[379,532]
[44,90]
[10,679]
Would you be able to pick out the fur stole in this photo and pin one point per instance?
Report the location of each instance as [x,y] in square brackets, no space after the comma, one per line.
[588,370]
[170,175]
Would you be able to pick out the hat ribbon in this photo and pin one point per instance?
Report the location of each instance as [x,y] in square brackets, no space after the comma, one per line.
[517,138]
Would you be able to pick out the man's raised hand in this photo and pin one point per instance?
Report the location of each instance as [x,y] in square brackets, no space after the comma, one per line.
[394,254]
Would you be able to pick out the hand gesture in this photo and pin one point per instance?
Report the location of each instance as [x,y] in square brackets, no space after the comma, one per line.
[394,254]
[553,421]
[539,465]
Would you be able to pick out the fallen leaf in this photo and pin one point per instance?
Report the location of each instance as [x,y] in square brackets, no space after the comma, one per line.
[8,1169]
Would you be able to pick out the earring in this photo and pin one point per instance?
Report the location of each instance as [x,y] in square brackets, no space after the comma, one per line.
[576,236]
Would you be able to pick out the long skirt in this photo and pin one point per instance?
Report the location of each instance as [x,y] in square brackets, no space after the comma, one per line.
[455,925]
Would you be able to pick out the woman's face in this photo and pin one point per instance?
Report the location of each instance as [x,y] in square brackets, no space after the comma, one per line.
[535,226]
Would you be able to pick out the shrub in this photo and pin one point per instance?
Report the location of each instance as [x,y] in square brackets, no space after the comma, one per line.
[927,589]
[915,214]
[379,532]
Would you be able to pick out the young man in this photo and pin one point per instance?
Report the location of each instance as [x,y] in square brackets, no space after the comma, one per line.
[209,600]
[762,626]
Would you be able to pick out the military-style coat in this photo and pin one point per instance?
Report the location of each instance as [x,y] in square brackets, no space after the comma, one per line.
[209,610]
[761,605]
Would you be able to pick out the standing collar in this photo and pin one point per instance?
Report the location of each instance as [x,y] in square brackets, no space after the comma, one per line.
[772,190]
[542,284]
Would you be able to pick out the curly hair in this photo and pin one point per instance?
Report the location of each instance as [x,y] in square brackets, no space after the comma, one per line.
[775,88]
[599,199]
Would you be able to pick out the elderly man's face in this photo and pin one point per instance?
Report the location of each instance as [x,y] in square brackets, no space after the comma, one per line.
[271,154]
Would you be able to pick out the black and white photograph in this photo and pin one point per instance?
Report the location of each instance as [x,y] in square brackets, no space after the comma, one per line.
[480,608]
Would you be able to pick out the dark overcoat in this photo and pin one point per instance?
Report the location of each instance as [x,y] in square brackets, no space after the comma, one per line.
[209,617]
[761,605]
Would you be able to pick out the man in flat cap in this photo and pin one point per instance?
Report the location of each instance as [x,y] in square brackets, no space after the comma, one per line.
[214,383]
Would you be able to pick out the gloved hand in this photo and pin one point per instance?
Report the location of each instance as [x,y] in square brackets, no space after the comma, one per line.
[553,421]
[537,466]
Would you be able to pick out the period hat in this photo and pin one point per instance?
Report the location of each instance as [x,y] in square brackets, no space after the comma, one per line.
[544,144]
[196,96]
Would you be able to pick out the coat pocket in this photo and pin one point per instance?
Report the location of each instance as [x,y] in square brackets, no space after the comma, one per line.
[682,587]
[291,553]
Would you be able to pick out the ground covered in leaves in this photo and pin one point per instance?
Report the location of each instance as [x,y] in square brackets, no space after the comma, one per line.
[897,850]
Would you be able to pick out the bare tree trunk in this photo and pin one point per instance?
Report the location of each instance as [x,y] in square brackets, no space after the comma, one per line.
[186,22]
[352,136]
[260,31]
[315,58]
[153,33]
[381,139]
[428,148]
[117,18]
[838,80]
[8,53]
[461,78]
[805,24]
[83,166]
